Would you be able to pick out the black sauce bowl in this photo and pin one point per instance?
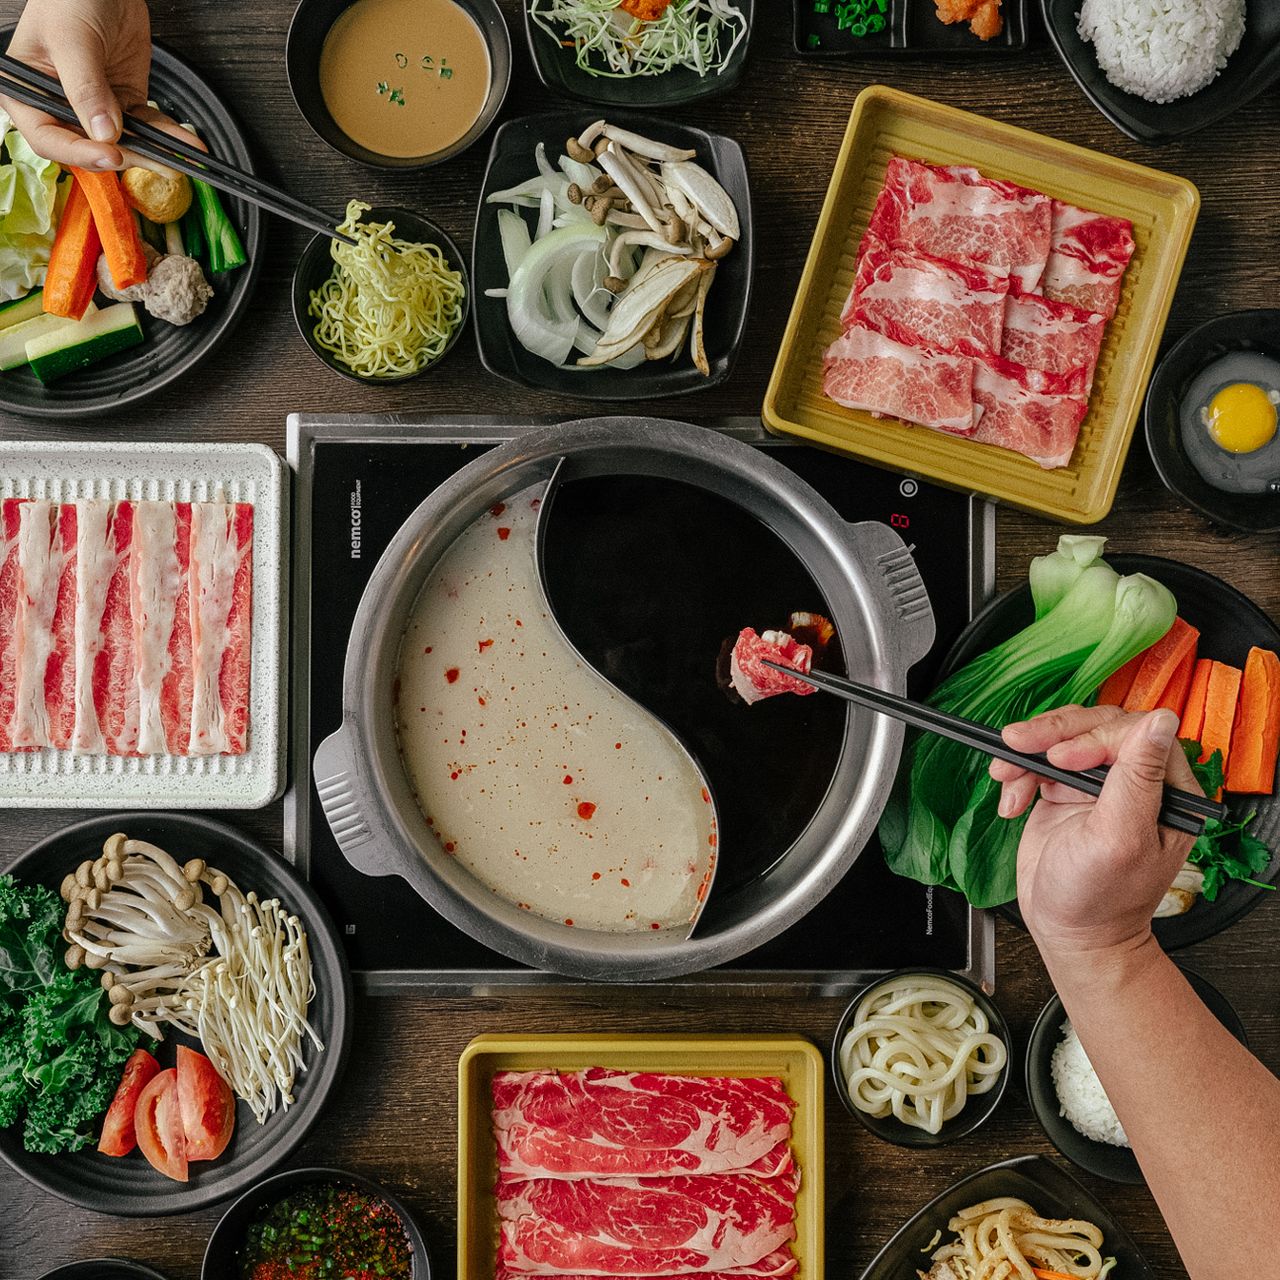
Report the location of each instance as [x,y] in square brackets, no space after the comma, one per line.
[558,69]
[311,23]
[315,265]
[977,1110]
[222,1254]
[1118,1164]
[1181,364]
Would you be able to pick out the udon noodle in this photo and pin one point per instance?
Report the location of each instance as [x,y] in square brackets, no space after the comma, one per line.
[1004,1239]
[390,306]
[917,1048]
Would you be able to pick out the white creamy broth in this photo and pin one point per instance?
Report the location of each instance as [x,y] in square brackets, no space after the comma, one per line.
[552,788]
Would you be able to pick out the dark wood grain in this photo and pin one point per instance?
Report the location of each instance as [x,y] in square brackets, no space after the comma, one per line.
[395,1115]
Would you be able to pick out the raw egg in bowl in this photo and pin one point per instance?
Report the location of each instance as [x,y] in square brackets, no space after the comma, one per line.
[1212,419]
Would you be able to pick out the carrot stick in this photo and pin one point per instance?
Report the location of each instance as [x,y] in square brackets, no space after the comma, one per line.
[1050,1275]
[72,276]
[114,220]
[1193,713]
[1220,711]
[1158,666]
[1255,740]
[1118,683]
[1175,692]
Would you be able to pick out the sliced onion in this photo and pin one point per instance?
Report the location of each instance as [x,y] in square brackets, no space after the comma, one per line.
[532,322]
[593,300]
[514,232]
[546,212]
[583,174]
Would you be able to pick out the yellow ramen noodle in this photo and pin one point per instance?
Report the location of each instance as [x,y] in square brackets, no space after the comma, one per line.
[390,306]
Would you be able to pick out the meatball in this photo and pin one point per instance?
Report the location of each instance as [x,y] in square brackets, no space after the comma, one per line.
[135,292]
[176,290]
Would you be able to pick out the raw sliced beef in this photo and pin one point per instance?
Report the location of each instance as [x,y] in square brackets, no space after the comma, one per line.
[155,579]
[958,215]
[40,564]
[178,687]
[617,1123]
[220,609]
[60,673]
[115,680]
[644,1226]
[866,370]
[780,1263]
[924,302]
[10,517]
[98,560]
[1051,336]
[1032,413]
[752,680]
[1087,259]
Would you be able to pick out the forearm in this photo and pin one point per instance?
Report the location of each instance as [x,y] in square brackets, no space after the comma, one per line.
[1202,1114]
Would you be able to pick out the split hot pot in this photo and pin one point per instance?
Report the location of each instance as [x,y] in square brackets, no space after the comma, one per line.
[872,590]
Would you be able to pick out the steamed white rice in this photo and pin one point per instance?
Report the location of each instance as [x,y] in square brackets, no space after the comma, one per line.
[1081,1097]
[1162,49]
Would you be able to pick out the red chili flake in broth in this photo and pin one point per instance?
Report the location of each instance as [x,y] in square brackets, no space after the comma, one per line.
[497,509]
[503,533]
[452,674]
[617,746]
[711,839]
[626,884]
[569,923]
[534,503]
[706,796]
[449,846]
[595,875]
[655,925]
[482,702]
[519,623]
[427,649]
[586,810]
[483,645]
[454,776]
[568,779]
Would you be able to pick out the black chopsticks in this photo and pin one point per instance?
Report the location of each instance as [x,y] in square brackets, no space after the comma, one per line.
[1182,810]
[44,93]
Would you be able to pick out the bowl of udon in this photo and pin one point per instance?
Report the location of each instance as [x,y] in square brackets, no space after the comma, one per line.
[921,1057]
[389,308]
[398,84]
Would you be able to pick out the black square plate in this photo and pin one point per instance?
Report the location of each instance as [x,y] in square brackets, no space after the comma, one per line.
[1045,1187]
[558,69]
[1253,67]
[510,163]
[911,28]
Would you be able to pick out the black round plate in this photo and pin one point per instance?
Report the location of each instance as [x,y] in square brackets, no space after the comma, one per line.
[167,351]
[129,1186]
[1178,368]
[1253,67]
[221,1255]
[1118,1164]
[558,69]
[103,1269]
[1229,624]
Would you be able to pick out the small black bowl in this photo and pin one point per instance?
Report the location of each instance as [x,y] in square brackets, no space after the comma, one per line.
[1118,1164]
[976,1110]
[103,1269]
[510,163]
[315,265]
[1253,68]
[558,69]
[221,1255]
[1180,366]
[311,23]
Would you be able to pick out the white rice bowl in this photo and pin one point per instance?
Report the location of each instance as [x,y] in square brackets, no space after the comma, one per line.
[1162,49]
[1081,1097]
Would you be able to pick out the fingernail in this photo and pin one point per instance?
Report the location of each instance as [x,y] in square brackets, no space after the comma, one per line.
[1161,727]
[102,128]
[103,163]
[1005,806]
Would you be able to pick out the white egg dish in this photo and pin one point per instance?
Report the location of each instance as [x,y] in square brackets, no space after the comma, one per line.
[1229,419]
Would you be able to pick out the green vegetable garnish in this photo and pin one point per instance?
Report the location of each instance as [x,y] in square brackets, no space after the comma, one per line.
[60,1054]
[225,249]
[1225,850]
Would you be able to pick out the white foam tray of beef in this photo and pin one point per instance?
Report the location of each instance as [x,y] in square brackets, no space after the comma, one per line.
[68,472]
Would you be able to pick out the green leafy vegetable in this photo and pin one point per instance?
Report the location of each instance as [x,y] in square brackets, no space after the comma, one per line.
[941,825]
[1225,850]
[60,1054]
[29,207]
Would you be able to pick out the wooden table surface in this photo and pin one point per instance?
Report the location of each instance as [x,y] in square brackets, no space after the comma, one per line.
[394,1116]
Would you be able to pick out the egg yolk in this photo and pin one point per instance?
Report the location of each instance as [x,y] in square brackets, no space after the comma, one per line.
[1242,417]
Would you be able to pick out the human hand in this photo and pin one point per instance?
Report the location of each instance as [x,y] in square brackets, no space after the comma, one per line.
[101,52]
[1091,873]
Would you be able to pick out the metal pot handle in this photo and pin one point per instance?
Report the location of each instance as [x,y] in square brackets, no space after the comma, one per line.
[903,599]
[340,792]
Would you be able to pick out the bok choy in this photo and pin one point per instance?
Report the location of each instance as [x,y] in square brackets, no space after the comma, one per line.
[941,825]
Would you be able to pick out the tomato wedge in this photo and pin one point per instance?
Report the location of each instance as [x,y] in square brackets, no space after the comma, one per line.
[206,1104]
[158,1122]
[118,1134]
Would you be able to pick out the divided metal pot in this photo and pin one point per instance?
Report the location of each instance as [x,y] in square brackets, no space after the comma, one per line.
[878,604]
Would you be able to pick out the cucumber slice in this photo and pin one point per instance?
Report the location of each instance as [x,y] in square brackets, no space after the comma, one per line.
[21,309]
[53,355]
[14,339]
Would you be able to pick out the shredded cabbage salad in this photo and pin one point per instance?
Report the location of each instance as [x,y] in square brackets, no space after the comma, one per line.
[609,40]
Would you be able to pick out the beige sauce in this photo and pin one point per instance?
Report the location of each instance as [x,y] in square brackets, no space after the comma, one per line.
[554,790]
[404,77]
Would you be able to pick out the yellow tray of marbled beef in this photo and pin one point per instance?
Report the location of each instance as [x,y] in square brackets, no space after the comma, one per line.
[794,1061]
[1162,208]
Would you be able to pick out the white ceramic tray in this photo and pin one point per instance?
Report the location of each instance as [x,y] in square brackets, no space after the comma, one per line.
[63,471]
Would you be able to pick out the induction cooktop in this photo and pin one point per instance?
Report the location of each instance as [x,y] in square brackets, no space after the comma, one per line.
[358,478]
